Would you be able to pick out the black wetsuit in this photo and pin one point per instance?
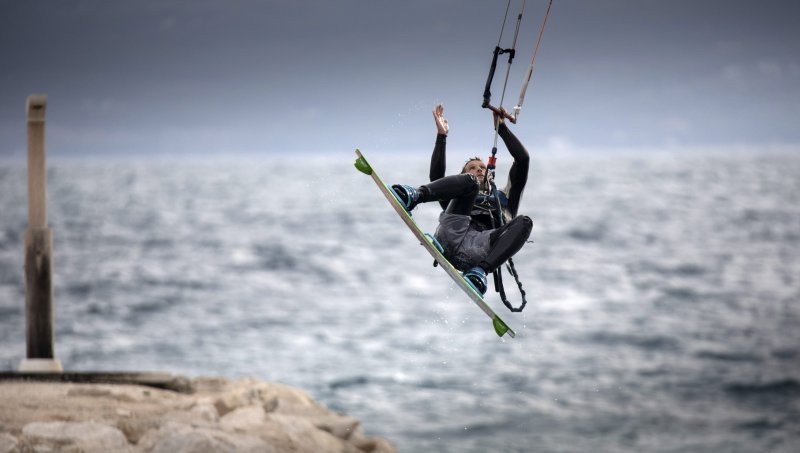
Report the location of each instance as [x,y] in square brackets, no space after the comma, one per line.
[460,195]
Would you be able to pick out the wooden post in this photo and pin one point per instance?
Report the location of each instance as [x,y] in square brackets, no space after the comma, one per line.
[38,250]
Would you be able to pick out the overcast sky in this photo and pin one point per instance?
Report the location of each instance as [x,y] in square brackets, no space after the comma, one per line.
[233,76]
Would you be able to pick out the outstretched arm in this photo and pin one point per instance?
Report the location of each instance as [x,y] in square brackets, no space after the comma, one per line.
[518,175]
[438,160]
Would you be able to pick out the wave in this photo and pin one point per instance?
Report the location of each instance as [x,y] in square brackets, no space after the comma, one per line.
[591,233]
[728,356]
[648,342]
[784,388]
[355,381]
[761,424]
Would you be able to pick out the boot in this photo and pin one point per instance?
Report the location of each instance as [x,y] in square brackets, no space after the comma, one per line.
[406,195]
[477,278]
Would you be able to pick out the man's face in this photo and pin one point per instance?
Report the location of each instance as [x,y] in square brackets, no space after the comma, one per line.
[477,168]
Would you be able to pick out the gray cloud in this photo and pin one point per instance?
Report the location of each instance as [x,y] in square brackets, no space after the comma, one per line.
[260,76]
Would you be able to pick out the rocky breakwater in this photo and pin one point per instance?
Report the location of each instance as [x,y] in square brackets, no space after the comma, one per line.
[214,415]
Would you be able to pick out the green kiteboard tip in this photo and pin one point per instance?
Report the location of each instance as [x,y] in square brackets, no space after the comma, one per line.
[362,166]
[500,327]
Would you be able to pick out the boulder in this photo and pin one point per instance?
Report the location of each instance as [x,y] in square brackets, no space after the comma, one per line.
[218,415]
[175,437]
[83,436]
[8,443]
[244,419]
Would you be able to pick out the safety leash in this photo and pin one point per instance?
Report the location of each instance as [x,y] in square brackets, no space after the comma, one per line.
[497,273]
[499,287]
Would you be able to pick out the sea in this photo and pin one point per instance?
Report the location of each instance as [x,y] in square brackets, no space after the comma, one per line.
[663,295]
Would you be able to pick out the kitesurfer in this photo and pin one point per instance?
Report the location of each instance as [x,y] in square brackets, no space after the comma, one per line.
[474,239]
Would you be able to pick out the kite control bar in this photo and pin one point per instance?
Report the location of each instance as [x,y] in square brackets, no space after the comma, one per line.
[487,92]
[502,112]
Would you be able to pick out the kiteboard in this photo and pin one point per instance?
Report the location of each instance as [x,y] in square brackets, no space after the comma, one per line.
[430,244]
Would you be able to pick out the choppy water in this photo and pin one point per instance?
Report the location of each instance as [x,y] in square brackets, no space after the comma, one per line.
[664,311]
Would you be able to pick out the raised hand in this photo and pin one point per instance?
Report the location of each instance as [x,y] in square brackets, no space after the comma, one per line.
[441,122]
[500,118]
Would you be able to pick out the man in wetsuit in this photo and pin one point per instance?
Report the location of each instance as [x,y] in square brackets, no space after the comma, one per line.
[469,227]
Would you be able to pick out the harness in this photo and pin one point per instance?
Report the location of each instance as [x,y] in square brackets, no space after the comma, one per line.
[486,205]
